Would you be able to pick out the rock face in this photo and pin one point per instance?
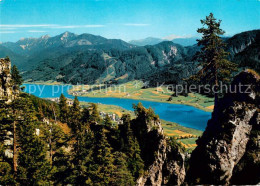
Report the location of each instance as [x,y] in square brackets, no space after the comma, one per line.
[229,150]
[173,167]
[5,80]
[164,164]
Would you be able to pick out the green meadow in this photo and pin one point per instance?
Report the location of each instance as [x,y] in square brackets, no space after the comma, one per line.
[134,90]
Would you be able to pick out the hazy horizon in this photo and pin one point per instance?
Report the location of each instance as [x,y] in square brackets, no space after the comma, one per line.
[163,38]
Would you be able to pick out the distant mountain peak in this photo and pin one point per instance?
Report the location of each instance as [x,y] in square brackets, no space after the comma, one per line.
[149,38]
[66,35]
[45,36]
[23,38]
[182,40]
[173,36]
[146,41]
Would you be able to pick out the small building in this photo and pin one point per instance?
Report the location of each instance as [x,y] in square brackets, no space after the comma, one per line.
[37,132]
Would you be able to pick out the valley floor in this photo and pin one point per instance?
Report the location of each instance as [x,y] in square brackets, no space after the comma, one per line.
[134,90]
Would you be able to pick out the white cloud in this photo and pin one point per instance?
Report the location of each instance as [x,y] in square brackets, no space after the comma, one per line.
[35,31]
[26,26]
[136,24]
[7,32]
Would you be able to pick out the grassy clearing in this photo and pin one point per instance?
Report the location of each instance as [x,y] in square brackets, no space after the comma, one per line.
[111,109]
[133,90]
[49,82]
[176,130]
[189,143]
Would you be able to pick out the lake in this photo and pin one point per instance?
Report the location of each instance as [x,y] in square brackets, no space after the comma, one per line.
[184,115]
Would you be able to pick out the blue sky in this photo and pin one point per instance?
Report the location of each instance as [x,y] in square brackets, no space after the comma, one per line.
[123,19]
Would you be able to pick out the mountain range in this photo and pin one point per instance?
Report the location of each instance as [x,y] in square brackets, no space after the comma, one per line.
[153,41]
[90,59]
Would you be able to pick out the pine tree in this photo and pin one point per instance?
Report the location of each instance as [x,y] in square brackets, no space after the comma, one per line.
[121,175]
[103,158]
[144,114]
[6,168]
[107,121]
[85,115]
[64,109]
[16,77]
[83,159]
[7,58]
[75,117]
[132,149]
[54,137]
[94,116]
[213,58]
[61,167]
[6,173]
[33,166]
[40,113]
[74,122]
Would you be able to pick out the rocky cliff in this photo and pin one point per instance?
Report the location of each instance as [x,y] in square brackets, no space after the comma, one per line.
[164,162]
[6,92]
[229,150]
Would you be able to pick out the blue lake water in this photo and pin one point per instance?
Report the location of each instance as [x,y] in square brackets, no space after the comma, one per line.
[184,115]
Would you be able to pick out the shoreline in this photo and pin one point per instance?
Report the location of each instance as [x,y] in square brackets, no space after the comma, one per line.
[145,99]
[120,110]
[110,108]
[71,92]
